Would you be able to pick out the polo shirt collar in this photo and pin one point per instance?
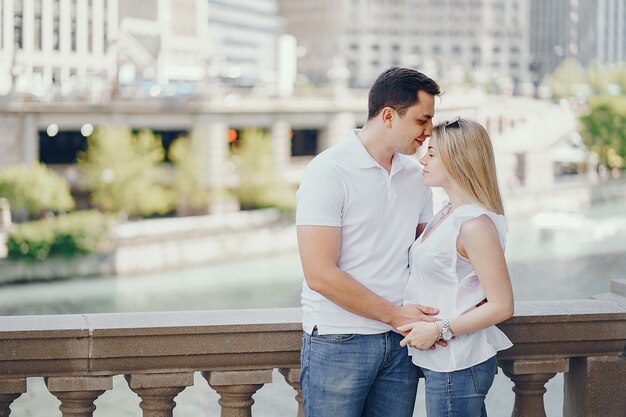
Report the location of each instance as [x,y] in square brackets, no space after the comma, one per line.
[364,160]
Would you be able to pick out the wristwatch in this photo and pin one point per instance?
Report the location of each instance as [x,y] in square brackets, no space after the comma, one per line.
[446,333]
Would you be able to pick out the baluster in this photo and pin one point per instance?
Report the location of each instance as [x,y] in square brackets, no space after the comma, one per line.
[292,376]
[77,394]
[594,386]
[530,377]
[10,389]
[236,389]
[157,391]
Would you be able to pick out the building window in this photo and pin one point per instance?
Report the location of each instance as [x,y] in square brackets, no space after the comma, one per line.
[37,23]
[105,28]
[17,26]
[90,26]
[56,26]
[304,142]
[73,30]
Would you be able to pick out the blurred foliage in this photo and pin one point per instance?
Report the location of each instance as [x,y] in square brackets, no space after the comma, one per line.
[80,232]
[603,117]
[603,129]
[192,194]
[35,188]
[571,80]
[260,185]
[120,171]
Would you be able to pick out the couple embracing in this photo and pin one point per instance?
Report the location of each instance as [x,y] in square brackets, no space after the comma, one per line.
[391,292]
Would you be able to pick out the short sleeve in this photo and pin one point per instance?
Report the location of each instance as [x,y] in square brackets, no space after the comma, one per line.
[319,200]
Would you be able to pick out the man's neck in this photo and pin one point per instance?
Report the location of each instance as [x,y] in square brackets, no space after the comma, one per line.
[376,146]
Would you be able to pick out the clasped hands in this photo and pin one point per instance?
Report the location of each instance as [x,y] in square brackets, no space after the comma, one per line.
[424,333]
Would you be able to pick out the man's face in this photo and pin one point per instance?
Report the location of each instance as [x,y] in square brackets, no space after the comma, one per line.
[411,130]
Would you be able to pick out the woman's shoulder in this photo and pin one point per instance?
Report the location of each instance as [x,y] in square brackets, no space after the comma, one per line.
[477,221]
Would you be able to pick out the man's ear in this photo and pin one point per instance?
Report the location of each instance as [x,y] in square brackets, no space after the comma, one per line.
[387,115]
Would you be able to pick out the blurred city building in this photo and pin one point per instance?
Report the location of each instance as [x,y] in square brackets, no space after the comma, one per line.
[448,39]
[162,46]
[211,68]
[585,30]
[243,41]
[98,49]
[57,47]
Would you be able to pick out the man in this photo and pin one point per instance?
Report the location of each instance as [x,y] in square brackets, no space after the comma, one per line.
[359,208]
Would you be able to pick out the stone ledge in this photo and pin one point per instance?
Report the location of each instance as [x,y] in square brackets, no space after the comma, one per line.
[109,344]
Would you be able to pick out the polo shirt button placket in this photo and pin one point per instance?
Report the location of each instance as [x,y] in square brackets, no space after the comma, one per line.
[391,192]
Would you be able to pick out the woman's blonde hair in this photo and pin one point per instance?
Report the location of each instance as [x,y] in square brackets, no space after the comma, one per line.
[467,155]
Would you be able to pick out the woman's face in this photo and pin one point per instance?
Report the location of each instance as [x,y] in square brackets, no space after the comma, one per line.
[434,172]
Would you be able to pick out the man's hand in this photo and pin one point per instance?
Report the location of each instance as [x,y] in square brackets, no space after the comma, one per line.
[416,312]
[412,313]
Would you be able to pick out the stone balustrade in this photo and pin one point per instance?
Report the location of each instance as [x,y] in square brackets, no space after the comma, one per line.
[237,350]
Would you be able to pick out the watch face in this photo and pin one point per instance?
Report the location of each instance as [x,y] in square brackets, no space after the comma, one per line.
[447,335]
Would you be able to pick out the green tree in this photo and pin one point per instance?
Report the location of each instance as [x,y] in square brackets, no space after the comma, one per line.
[259,183]
[121,172]
[192,194]
[603,129]
[35,188]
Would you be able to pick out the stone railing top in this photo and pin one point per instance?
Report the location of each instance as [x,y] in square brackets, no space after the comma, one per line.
[567,310]
[109,344]
[171,322]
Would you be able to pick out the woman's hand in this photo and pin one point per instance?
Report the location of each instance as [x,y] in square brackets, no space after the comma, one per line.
[421,335]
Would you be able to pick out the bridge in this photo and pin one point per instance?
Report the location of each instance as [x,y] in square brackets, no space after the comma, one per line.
[525,131]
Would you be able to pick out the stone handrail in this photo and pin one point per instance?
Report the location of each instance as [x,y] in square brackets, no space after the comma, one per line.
[237,350]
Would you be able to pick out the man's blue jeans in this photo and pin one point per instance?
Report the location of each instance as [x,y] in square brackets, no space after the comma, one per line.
[351,375]
[459,393]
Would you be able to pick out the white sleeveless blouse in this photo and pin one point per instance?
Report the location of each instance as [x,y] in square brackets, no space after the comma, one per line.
[440,277]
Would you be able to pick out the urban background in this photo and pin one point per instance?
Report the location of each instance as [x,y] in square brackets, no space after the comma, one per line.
[150,149]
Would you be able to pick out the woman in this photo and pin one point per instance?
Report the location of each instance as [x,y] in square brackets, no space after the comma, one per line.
[456,264]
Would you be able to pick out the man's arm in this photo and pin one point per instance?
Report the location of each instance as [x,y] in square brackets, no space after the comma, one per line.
[319,248]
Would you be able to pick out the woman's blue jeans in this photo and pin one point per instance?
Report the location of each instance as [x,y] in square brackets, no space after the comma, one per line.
[350,375]
[459,393]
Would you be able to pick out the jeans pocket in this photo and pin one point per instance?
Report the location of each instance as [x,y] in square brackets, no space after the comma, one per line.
[483,375]
[332,338]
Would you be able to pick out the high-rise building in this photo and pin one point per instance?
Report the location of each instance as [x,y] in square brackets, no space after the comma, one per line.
[57,46]
[243,41]
[611,31]
[585,30]
[445,38]
[163,43]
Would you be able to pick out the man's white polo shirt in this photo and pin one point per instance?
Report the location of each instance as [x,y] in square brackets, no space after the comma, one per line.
[378,213]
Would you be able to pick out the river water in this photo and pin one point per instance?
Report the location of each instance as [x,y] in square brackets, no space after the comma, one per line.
[551,256]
